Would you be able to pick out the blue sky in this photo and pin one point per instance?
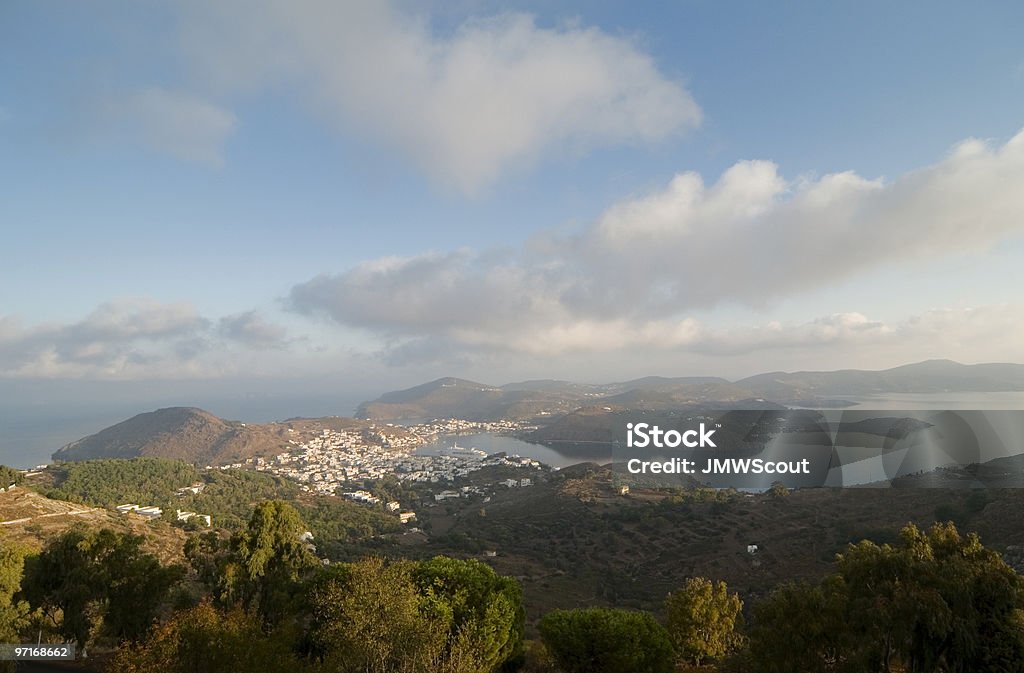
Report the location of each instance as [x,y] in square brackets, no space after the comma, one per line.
[387,193]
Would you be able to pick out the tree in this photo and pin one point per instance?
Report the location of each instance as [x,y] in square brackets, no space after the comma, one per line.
[940,601]
[604,640]
[9,475]
[208,640]
[483,610]
[14,613]
[209,555]
[702,620]
[368,618]
[270,559]
[936,601]
[799,627]
[438,616]
[85,578]
[137,585]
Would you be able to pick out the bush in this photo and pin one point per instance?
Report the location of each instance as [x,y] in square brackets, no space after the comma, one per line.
[607,640]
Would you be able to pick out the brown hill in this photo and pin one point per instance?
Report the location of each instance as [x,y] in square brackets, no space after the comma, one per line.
[198,437]
[180,433]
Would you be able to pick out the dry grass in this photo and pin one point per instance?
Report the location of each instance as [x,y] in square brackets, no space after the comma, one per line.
[38,519]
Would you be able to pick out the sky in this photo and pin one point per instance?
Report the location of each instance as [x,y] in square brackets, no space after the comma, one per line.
[312,198]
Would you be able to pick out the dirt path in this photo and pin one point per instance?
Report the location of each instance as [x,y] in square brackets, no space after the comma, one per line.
[45,516]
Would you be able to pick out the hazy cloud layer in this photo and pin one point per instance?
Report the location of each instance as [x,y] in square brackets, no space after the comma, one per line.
[589,349]
[134,338]
[631,278]
[495,94]
[176,123]
[251,329]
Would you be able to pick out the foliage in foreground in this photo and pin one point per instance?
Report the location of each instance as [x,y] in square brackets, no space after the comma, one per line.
[208,640]
[934,602]
[703,620]
[85,581]
[937,601]
[14,612]
[436,616]
[607,640]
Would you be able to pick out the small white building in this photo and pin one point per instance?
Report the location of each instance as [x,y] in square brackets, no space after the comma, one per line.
[393,506]
[124,509]
[406,517]
[150,512]
[751,548]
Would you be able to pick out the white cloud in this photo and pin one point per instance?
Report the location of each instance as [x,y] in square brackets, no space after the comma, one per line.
[496,94]
[635,276]
[135,339]
[177,123]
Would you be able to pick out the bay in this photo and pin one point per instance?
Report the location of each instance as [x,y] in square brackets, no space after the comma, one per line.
[491,443]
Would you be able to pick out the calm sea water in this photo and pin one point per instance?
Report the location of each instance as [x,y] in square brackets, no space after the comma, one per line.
[490,443]
[939,401]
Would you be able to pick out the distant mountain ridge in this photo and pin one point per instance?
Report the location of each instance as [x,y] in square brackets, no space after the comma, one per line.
[468,399]
[451,397]
[930,376]
[566,411]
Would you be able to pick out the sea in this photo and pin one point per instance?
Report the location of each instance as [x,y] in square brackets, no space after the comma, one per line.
[490,443]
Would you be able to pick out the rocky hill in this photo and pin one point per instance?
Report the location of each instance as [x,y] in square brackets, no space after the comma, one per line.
[180,433]
[201,438]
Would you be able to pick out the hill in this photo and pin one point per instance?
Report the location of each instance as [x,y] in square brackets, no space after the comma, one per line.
[665,383]
[201,438]
[31,519]
[179,433]
[459,398]
[544,398]
[577,541]
[930,376]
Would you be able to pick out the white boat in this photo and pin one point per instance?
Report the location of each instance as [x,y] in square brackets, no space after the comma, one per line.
[462,451]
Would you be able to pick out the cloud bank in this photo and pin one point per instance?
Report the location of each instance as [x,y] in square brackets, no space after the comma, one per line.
[135,338]
[632,277]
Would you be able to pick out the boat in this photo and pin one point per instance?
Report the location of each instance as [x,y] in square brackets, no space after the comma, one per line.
[462,451]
